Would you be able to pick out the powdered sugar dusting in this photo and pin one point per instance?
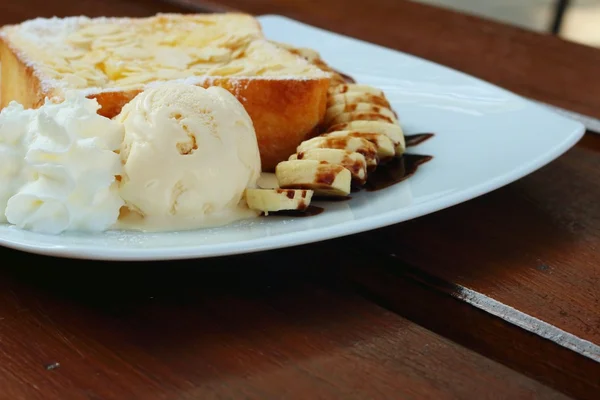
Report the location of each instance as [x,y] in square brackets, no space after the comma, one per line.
[51,31]
[44,45]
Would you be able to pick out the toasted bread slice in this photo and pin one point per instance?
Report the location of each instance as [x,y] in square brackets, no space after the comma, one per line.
[113,59]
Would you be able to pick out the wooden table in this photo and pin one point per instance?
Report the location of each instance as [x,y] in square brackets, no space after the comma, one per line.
[496,298]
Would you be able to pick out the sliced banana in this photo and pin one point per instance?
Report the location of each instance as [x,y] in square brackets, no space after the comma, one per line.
[272,200]
[352,161]
[351,144]
[336,79]
[357,97]
[335,111]
[355,87]
[267,180]
[385,146]
[324,178]
[393,131]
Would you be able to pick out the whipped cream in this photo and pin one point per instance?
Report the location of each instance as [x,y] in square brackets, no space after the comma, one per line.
[58,166]
[13,128]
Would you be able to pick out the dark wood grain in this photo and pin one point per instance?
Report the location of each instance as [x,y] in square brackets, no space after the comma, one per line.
[218,329]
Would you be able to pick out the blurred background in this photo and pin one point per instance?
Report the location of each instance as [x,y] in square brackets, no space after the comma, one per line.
[576,20]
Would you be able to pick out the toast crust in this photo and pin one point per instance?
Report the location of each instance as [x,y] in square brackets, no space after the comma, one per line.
[284,112]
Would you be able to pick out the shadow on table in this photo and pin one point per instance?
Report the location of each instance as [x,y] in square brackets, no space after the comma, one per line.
[193,320]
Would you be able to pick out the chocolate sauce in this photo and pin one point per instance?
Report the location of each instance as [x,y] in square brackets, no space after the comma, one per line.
[290,193]
[331,199]
[309,212]
[325,177]
[312,210]
[417,138]
[395,171]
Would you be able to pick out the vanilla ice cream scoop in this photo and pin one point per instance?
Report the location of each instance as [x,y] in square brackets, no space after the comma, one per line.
[188,155]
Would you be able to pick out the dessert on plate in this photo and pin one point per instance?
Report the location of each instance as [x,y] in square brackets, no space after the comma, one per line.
[167,122]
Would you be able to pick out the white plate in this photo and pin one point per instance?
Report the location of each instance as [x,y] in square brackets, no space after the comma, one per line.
[485,138]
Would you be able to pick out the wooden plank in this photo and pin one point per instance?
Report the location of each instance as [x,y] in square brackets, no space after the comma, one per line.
[422,298]
[222,329]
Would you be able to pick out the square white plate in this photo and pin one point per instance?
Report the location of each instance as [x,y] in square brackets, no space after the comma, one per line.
[485,138]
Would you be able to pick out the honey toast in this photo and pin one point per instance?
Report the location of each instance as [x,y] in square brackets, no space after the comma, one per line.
[114,59]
